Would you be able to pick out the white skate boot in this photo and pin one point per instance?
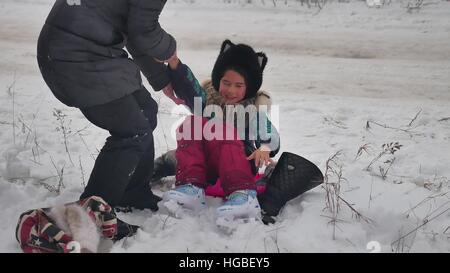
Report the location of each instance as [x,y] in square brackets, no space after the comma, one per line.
[242,204]
[185,196]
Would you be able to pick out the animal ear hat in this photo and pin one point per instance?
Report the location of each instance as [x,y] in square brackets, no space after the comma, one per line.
[244,60]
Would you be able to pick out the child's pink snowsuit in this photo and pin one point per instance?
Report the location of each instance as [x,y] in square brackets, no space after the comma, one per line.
[202,160]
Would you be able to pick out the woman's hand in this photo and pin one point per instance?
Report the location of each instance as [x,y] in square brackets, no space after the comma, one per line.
[261,156]
[168,90]
[173,61]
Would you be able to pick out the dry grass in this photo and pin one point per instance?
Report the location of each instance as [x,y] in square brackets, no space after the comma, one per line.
[387,149]
[333,200]
[64,128]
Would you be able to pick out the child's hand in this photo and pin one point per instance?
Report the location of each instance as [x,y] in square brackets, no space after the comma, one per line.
[261,156]
[168,91]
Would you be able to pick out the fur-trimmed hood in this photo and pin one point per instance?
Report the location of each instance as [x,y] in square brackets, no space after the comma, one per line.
[262,101]
[213,97]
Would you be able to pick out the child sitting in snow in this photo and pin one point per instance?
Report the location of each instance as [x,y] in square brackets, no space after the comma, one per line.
[236,78]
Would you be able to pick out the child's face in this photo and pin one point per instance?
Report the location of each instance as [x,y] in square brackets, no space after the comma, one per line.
[232,87]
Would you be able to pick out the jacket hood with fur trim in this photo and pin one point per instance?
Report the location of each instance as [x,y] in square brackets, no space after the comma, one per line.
[213,97]
[261,99]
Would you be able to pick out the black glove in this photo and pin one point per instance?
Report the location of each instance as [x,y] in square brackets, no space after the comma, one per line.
[124,230]
[165,165]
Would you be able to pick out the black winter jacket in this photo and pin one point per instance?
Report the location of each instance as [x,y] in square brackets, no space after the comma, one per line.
[81,49]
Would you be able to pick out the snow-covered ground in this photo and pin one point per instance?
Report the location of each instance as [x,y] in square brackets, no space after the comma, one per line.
[330,72]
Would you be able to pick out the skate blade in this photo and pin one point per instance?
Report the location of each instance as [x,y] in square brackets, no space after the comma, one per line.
[229,225]
[173,208]
[226,225]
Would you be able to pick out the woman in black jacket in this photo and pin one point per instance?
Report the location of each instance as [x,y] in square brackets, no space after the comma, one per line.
[82,59]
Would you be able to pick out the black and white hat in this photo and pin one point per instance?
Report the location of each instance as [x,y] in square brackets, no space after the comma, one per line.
[244,60]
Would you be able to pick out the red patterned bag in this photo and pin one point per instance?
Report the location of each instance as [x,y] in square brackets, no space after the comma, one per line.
[43,231]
